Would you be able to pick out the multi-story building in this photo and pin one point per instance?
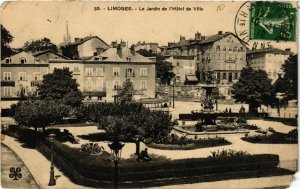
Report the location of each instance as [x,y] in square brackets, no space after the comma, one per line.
[269,60]
[21,73]
[101,77]
[221,53]
[84,48]
[184,68]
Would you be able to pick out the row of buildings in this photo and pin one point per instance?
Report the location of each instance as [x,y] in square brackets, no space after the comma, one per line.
[100,68]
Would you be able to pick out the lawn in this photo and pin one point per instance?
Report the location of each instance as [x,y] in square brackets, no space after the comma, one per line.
[274,138]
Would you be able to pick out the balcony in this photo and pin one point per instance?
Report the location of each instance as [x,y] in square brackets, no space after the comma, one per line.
[8,83]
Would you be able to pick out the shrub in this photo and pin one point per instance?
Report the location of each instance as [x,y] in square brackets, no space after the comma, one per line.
[91,148]
[228,153]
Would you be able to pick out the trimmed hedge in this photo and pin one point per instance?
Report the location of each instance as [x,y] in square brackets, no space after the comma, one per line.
[96,171]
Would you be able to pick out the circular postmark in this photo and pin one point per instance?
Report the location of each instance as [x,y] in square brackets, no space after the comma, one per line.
[259,24]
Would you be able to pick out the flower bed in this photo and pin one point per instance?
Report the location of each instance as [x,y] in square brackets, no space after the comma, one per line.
[274,138]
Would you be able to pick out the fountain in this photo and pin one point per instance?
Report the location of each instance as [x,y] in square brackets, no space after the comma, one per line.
[208,115]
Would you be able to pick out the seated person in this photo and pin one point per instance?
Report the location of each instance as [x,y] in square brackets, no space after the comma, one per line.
[144,156]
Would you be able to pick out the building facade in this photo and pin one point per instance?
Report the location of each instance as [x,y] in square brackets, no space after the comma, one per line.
[269,60]
[21,73]
[151,47]
[184,68]
[101,77]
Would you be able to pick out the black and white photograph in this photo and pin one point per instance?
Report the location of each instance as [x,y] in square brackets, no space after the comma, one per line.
[149,94]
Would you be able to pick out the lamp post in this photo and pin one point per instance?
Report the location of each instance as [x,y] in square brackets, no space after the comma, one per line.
[52,181]
[116,149]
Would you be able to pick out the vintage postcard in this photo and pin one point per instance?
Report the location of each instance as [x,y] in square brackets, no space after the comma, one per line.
[156,94]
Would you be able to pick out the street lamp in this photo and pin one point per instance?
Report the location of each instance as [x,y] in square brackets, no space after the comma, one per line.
[52,181]
[116,149]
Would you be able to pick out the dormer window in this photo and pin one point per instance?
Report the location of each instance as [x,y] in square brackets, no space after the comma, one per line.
[8,60]
[22,60]
[129,59]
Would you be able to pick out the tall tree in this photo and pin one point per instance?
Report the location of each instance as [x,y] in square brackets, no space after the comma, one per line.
[40,45]
[164,70]
[6,38]
[126,94]
[290,69]
[60,85]
[38,113]
[254,88]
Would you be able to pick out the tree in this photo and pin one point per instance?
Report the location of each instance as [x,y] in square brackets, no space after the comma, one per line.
[164,70]
[126,94]
[254,88]
[40,45]
[38,113]
[6,38]
[60,85]
[288,84]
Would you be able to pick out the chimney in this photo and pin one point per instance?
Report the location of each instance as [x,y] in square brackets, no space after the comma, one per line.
[77,39]
[123,43]
[114,44]
[182,38]
[170,44]
[288,50]
[220,32]
[202,38]
[119,50]
[132,50]
[99,50]
[198,36]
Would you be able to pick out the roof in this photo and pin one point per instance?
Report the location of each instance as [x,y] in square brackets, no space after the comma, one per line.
[82,40]
[270,51]
[214,38]
[208,39]
[30,59]
[37,53]
[112,55]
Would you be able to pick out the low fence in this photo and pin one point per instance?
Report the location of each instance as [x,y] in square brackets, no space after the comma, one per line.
[197,116]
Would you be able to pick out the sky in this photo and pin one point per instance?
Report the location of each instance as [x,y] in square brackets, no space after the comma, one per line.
[34,20]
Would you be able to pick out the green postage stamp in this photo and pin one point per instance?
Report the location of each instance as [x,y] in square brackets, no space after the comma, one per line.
[273,21]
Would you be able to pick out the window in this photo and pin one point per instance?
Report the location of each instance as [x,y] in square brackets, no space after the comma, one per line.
[89,71]
[116,71]
[218,48]
[177,63]
[99,72]
[230,48]
[98,84]
[22,76]
[116,84]
[7,76]
[76,69]
[22,60]
[224,76]
[224,48]
[218,76]
[36,76]
[235,76]
[143,72]
[230,77]
[8,60]
[129,59]
[88,84]
[130,72]
[234,49]
[242,49]
[143,84]
[7,91]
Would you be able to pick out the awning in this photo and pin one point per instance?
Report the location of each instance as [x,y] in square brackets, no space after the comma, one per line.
[191,78]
